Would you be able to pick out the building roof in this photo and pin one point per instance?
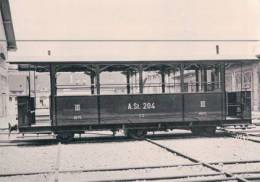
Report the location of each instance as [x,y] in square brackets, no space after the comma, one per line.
[8,24]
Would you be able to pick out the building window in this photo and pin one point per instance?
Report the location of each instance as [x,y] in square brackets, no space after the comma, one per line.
[247,80]
[228,82]
[238,81]
[2,105]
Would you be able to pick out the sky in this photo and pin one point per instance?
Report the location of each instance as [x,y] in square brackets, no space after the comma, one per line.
[142,20]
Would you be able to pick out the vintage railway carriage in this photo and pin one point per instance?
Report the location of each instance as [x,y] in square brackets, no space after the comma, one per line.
[134,96]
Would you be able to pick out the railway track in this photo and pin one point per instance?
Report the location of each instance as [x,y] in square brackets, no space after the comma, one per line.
[39,140]
[217,174]
[228,176]
[243,135]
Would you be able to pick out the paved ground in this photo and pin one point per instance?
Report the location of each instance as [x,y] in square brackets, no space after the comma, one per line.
[102,159]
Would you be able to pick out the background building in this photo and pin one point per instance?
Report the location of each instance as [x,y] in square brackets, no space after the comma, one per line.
[228,30]
[7,43]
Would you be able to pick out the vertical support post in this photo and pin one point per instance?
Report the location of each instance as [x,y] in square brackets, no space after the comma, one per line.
[182,89]
[169,82]
[97,72]
[92,82]
[197,79]
[241,91]
[204,78]
[34,85]
[255,95]
[98,79]
[128,81]
[141,84]
[163,79]
[205,83]
[174,82]
[182,77]
[33,105]
[53,94]
[29,81]
[223,89]
[222,77]
[216,79]
[212,81]
[34,81]
[241,77]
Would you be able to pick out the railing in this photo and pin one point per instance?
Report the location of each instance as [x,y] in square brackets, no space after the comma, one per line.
[134,88]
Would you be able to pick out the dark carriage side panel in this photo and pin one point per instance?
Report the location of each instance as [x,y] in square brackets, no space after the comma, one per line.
[145,108]
[239,105]
[246,105]
[26,111]
[76,110]
[203,107]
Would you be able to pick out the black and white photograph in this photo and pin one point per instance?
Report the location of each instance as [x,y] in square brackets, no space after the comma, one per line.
[129,90]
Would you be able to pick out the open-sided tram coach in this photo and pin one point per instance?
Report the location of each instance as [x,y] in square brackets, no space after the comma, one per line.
[190,95]
[164,65]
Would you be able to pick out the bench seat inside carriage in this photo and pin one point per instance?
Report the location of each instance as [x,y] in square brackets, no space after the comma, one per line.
[145,97]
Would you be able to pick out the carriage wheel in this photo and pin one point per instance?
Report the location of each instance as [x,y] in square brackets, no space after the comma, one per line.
[204,131]
[65,137]
[196,131]
[211,130]
[138,134]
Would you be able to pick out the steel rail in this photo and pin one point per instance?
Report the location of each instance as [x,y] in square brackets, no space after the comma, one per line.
[100,170]
[136,168]
[57,171]
[129,168]
[147,178]
[248,172]
[50,140]
[227,174]
[235,162]
[253,178]
[25,174]
[241,135]
[36,141]
[136,40]
[248,133]
[166,178]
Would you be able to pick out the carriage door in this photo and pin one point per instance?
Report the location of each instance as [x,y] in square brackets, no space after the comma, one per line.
[239,105]
[26,111]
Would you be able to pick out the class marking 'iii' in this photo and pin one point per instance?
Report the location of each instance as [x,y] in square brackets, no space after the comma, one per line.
[77,107]
[203,103]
